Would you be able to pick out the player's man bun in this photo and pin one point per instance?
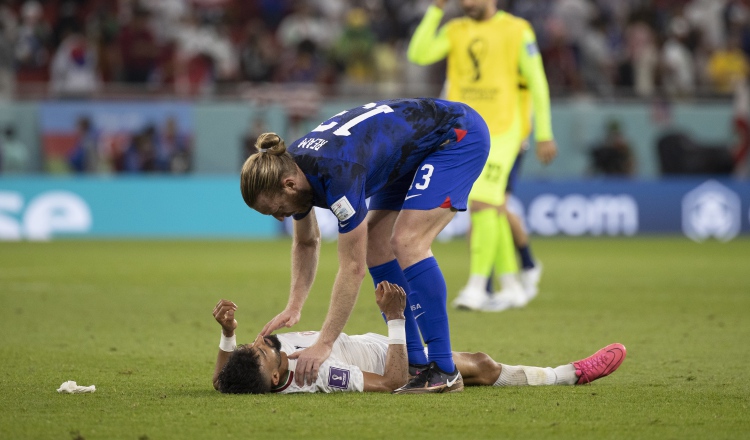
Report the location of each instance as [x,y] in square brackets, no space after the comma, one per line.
[264,170]
[270,143]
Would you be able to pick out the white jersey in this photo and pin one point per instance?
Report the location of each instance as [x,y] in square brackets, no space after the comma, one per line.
[342,371]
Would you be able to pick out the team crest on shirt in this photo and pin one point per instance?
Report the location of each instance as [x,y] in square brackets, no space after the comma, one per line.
[338,378]
[342,209]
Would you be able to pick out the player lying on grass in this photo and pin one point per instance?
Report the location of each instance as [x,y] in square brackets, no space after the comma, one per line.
[373,362]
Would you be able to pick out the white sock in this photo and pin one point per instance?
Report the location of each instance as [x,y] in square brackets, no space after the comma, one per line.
[477,282]
[519,375]
[566,375]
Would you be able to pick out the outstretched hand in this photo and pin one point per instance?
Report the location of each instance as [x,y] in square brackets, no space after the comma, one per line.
[224,315]
[287,318]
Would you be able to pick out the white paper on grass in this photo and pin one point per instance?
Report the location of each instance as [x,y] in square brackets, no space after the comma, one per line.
[70,387]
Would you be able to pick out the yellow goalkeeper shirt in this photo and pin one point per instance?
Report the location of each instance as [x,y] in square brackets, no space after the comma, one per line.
[485,59]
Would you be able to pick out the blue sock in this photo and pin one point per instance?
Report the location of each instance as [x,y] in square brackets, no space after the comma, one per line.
[428,299]
[392,273]
[527,262]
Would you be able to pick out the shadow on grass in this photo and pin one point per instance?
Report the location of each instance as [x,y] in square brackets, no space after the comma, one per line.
[200,393]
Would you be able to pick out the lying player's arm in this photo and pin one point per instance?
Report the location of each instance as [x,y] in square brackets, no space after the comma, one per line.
[428,45]
[224,315]
[391,299]
[305,253]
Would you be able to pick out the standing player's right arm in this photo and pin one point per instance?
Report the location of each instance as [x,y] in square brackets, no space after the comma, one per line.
[428,45]
[305,253]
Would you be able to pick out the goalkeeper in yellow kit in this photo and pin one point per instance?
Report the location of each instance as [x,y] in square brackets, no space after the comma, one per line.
[489,54]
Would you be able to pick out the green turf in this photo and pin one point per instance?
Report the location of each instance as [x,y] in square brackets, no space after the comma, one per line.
[134,318]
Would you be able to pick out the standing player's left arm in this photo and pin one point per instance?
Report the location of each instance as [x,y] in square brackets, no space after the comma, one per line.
[532,68]
[352,250]
[429,44]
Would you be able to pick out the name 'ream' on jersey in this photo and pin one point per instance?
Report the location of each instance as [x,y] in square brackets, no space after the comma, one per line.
[312,143]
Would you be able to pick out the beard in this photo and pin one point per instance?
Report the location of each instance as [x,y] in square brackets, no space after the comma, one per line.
[303,201]
[275,342]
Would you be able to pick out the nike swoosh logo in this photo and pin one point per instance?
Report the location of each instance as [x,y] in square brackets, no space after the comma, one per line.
[343,225]
[451,382]
[412,196]
[419,315]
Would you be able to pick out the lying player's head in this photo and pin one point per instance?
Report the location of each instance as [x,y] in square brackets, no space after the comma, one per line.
[268,180]
[252,368]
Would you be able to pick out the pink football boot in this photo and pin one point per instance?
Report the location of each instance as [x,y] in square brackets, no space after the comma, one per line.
[600,364]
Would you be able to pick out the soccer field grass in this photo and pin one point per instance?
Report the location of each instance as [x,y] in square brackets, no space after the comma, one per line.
[134,318]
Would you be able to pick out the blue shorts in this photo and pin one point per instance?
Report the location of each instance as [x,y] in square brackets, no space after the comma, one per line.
[445,177]
[514,172]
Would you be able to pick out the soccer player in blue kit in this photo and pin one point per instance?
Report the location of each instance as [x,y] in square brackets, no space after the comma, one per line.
[417,160]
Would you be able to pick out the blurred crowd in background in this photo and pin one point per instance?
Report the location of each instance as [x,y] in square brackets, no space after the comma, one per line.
[78,48]
[151,149]
[300,52]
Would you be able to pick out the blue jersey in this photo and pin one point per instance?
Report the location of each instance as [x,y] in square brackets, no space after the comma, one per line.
[361,151]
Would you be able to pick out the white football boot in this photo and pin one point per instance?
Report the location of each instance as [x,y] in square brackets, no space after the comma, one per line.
[470,299]
[530,280]
[510,297]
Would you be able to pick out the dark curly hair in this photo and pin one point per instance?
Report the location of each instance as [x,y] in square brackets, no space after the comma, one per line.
[241,374]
